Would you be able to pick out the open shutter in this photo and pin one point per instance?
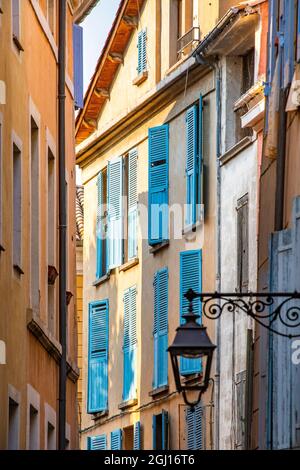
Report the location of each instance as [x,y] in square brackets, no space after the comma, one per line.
[158,223]
[132,204]
[154,426]
[98,357]
[101,239]
[115,191]
[137,444]
[289,47]
[190,278]
[116,439]
[97,442]
[201,157]
[78,65]
[130,344]
[191,163]
[160,330]
[142,51]
[194,428]
[165,430]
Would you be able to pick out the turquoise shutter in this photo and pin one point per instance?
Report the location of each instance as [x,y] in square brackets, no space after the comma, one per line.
[158,223]
[132,204]
[115,191]
[191,163]
[116,440]
[130,344]
[100,231]
[190,278]
[137,442]
[98,357]
[154,425]
[160,330]
[194,428]
[165,430]
[200,158]
[78,65]
[289,46]
[142,51]
[96,442]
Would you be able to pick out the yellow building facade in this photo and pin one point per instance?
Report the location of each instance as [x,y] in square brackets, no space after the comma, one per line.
[135,125]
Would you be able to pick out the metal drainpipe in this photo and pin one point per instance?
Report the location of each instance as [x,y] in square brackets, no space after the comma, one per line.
[62,226]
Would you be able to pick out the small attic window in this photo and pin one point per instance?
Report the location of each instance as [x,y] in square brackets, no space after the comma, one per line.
[142,72]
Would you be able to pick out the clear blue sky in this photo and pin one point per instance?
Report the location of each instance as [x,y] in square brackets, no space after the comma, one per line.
[95,30]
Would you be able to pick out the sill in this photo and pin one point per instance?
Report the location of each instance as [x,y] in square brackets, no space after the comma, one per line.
[192,378]
[191,228]
[155,248]
[101,280]
[236,149]
[128,404]
[18,270]
[17,43]
[140,78]
[128,265]
[156,392]
[99,415]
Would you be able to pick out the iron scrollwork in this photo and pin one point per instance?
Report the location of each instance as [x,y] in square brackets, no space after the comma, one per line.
[278,312]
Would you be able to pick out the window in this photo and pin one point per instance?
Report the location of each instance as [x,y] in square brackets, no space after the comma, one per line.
[194,432]
[102,225]
[50,427]
[35,217]
[116,439]
[78,65]
[160,330]
[194,161]
[158,210]
[51,194]
[51,14]
[96,442]
[130,344]
[16,27]
[160,429]
[13,425]
[190,278]
[128,443]
[1,183]
[33,428]
[17,208]
[98,357]
[51,437]
[142,52]
[242,245]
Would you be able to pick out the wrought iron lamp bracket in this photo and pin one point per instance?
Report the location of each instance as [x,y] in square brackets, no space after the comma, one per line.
[278,312]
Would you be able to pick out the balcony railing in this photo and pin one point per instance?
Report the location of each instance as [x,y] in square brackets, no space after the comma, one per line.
[188,41]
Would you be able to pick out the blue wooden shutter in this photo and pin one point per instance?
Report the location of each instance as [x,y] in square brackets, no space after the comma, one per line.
[78,65]
[116,440]
[98,357]
[96,442]
[101,241]
[191,163]
[160,330]
[158,213]
[194,428]
[201,156]
[190,278]
[154,425]
[115,209]
[165,430]
[132,204]
[130,344]
[142,51]
[289,47]
[137,441]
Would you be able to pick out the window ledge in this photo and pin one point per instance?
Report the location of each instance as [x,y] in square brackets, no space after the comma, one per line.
[101,280]
[128,404]
[236,149]
[192,378]
[99,415]
[191,228]
[18,270]
[128,265]
[154,249]
[159,391]
[17,43]
[140,78]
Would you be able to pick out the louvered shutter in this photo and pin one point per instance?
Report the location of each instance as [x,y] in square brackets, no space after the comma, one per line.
[160,330]
[158,223]
[165,430]
[289,48]
[154,429]
[137,444]
[190,278]
[115,191]
[97,442]
[194,428]
[132,204]
[116,440]
[98,357]
[101,267]
[130,344]
[142,51]
[78,65]
[200,158]
[191,163]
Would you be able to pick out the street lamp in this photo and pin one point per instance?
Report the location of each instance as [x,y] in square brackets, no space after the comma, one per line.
[191,342]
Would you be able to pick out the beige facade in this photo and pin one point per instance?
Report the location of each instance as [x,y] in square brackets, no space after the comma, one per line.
[162,95]
[29,315]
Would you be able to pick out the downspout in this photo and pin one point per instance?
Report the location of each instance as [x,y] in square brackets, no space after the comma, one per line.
[62,226]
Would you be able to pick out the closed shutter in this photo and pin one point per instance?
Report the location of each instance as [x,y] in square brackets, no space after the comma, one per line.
[130,344]
[116,440]
[289,46]
[160,330]
[97,442]
[137,441]
[132,204]
[240,410]
[142,51]
[98,357]
[115,191]
[191,163]
[158,223]
[78,65]
[190,278]
[194,421]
